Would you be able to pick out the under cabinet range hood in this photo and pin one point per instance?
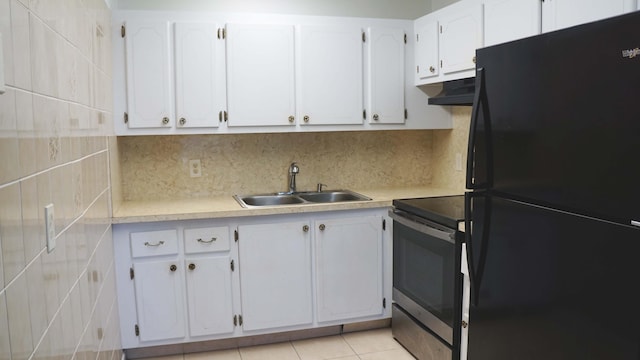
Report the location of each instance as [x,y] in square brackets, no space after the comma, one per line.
[455,92]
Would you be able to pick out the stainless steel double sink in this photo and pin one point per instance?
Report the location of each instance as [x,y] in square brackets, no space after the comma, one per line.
[299,198]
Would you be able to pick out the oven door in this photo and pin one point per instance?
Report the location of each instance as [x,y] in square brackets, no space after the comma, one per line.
[427,282]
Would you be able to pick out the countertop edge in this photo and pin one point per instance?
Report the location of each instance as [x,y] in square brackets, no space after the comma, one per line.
[227,207]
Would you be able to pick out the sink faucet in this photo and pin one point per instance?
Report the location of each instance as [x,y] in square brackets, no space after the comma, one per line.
[293,171]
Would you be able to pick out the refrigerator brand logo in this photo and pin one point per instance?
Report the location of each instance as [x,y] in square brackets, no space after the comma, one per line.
[631,53]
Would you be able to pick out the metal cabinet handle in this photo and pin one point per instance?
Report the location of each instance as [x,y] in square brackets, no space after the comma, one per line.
[192,266]
[322,227]
[376,117]
[292,119]
[146,243]
[165,120]
[464,324]
[305,228]
[173,268]
[432,69]
[183,121]
[207,241]
[306,118]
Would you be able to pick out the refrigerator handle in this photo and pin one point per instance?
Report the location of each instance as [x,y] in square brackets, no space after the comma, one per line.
[480,105]
[481,244]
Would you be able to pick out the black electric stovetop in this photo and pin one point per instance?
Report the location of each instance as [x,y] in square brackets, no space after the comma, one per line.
[445,210]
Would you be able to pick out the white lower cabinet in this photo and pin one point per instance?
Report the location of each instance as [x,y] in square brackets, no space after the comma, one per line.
[159,300]
[275,275]
[209,295]
[349,268]
[191,280]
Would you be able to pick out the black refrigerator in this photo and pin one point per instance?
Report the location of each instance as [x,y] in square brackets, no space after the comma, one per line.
[553,211]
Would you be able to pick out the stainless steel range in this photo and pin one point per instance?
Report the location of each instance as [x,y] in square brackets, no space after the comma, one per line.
[427,281]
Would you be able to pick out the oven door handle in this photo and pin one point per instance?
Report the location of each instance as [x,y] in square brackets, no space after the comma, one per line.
[448,236]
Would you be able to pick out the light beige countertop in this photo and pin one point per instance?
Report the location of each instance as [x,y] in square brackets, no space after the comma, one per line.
[227,206]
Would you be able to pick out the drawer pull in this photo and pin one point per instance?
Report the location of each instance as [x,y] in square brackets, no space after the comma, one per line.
[146,243]
[207,241]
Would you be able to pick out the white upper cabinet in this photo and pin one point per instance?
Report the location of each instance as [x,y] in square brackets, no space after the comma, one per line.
[507,20]
[446,42]
[427,59]
[558,14]
[460,36]
[149,97]
[330,75]
[199,75]
[260,74]
[386,76]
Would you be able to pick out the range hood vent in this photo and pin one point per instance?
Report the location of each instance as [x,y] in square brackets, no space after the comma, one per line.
[455,92]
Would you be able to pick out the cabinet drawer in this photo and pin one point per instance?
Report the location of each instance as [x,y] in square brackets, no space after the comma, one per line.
[209,239]
[154,243]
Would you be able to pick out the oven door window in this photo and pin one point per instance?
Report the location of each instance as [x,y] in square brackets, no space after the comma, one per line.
[423,270]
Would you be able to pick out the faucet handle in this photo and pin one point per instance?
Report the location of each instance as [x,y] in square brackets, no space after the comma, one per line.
[293,168]
[320,185]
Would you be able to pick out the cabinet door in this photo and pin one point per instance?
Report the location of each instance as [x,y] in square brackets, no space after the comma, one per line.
[275,275]
[209,296]
[159,300]
[260,70]
[349,268]
[386,76]
[148,75]
[460,36]
[199,78]
[331,79]
[507,20]
[427,59]
[558,14]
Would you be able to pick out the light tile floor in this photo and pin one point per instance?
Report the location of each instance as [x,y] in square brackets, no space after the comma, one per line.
[365,345]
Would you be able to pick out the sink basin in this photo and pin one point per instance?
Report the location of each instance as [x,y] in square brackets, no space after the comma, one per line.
[332,196]
[269,200]
[299,198]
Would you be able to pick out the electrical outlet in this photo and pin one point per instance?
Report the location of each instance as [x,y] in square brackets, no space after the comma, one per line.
[458,162]
[50,228]
[195,168]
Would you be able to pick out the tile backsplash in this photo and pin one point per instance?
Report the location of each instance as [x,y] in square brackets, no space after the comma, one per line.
[55,127]
[156,167]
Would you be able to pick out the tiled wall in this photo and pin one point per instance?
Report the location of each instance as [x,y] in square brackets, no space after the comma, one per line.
[156,167]
[55,127]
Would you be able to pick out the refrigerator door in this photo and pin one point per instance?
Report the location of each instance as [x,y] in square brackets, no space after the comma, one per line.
[565,118]
[550,285]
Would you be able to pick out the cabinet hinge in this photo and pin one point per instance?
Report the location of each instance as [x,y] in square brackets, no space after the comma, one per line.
[226,116]
[417,37]
[384,224]
[240,320]
[131,273]
[137,330]
[406,114]
[233,266]
[126,118]
[235,320]
[236,236]
[440,29]
[405,38]
[384,303]
[441,64]
[364,37]
[364,114]
[418,69]
[123,31]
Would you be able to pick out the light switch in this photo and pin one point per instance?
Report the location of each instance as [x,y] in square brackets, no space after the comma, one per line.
[1,66]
